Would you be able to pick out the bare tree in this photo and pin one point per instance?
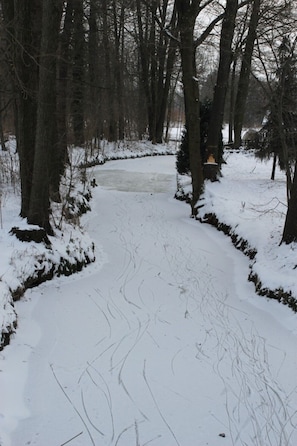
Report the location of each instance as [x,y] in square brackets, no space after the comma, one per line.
[272,61]
[244,77]
[119,39]
[23,21]
[63,76]
[290,227]
[187,14]
[217,116]
[33,30]
[46,128]
[78,72]
[157,23]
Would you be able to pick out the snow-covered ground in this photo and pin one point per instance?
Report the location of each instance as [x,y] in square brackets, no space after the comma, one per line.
[255,208]
[162,341]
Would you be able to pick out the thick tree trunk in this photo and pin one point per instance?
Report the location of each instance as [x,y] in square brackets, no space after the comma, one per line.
[148,62]
[217,116]
[273,167]
[8,80]
[62,86]
[165,75]
[95,115]
[46,116]
[244,77]
[186,21]
[109,76]
[119,23]
[2,138]
[152,113]
[27,25]
[78,70]
[231,106]
[143,61]
[290,228]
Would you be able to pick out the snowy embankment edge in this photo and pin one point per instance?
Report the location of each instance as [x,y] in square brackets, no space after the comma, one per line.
[33,264]
[279,294]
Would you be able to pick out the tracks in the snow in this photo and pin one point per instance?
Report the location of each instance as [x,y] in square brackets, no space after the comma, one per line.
[171,338]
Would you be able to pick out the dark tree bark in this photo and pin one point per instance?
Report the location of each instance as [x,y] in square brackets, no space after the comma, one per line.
[146,47]
[272,177]
[232,102]
[217,116]
[63,70]
[46,116]
[94,109]
[7,59]
[157,56]
[78,72]
[109,75]
[2,138]
[290,228]
[119,23]
[187,14]
[26,33]
[244,77]
[168,49]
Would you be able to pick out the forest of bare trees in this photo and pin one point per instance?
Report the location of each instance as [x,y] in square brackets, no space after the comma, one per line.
[78,72]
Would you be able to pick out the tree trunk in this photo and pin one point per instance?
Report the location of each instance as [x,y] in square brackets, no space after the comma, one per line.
[2,138]
[244,77]
[232,101]
[273,167]
[8,79]
[217,116]
[279,112]
[78,71]
[62,85]
[165,74]
[119,66]
[109,76]
[27,35]
[95,115]
[157,57]
[148,62]
[46,116]
[290,228]
[152,115]
[187,14]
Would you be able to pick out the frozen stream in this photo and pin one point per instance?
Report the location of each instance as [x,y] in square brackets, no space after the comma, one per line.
[162,342]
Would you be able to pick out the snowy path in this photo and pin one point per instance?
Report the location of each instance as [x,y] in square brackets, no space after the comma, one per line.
[164,344]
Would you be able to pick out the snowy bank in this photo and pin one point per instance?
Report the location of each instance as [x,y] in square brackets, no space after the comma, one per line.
[250,208]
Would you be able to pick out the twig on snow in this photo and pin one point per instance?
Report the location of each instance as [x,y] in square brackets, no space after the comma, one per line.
[73,438]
